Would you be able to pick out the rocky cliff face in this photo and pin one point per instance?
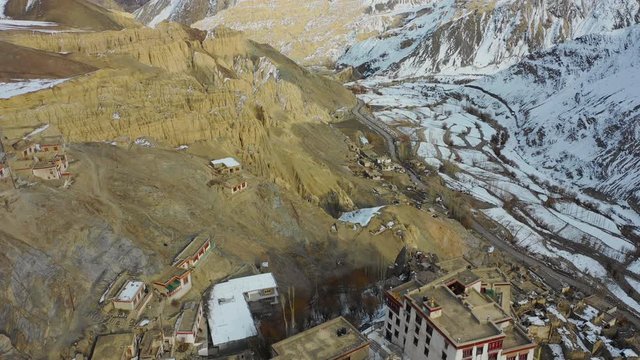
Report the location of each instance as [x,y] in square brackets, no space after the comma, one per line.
[177,89]
[182,11]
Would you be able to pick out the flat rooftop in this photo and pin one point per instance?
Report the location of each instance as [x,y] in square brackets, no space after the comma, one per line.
[514,337]
[189,316]
[229,315]
[228,162]
[454,264]
[192,247]
[129,290]
[491,275]
[466,277]
[457,321]
[321,342]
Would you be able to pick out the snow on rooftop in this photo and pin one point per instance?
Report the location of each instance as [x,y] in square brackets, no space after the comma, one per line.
[228,162]
[362,216]
[129,290]
[229,315]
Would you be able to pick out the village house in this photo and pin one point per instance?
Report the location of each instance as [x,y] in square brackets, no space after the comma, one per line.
[173,283]
[24,149]
[193,252]
[115,347]
[130,295]
[372,174]
[51,145]
[451,319]
[189,323]
[229,310]
[46,170]
[235,184]
[335,339]
[226,166]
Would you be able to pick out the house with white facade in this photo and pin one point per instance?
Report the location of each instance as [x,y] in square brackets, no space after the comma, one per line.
[189,322]
[173,283]
[229,310]
[226,166]
[130,295]
[452,319]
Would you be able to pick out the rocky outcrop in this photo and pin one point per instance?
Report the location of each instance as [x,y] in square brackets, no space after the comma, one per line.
[176,88]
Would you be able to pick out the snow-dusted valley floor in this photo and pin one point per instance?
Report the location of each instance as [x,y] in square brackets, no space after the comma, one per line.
[463,132]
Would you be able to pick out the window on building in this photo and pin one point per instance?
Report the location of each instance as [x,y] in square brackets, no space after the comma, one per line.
[467,352]
[495,345]
[406,329]
[416,329]
[429,329]
[479,350]
[426,351]
[418,320]
[398,321]
[415,341]
[407,307]
[511,357]
[387,335]
[396,333]
[446,345]
[55,148]
[493,356]
[389,326]
[444,355]
[522,357]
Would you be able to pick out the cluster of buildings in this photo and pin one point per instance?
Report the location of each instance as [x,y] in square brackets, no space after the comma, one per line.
[370,164]
[463,315]
[134,296]
[228,172]
[582,329]
[38,155]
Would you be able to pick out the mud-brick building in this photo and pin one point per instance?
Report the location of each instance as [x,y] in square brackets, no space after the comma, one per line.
[193,252]
[226,166]
[130,295]
[173,283]
[335,339]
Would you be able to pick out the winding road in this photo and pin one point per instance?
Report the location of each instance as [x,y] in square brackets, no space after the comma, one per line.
[551,276]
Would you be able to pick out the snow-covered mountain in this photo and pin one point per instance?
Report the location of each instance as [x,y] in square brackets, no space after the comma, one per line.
[578,108]
[450,36]
[312,32]
[182,11]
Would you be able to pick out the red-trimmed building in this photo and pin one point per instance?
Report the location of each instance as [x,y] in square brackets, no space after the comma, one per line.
[193,252]
[452,319]
[173,283]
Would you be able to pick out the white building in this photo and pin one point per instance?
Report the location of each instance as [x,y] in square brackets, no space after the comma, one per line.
[230,320]
[129,296]
[451,319]
[226,165]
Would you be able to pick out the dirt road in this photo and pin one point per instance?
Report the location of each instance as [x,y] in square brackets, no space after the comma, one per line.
[552,277]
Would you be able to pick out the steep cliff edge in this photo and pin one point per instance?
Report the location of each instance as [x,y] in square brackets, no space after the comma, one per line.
[170,85]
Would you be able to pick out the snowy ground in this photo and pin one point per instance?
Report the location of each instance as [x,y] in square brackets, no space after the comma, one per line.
[19,87]
[29,25]
[443,121]
[361,216]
